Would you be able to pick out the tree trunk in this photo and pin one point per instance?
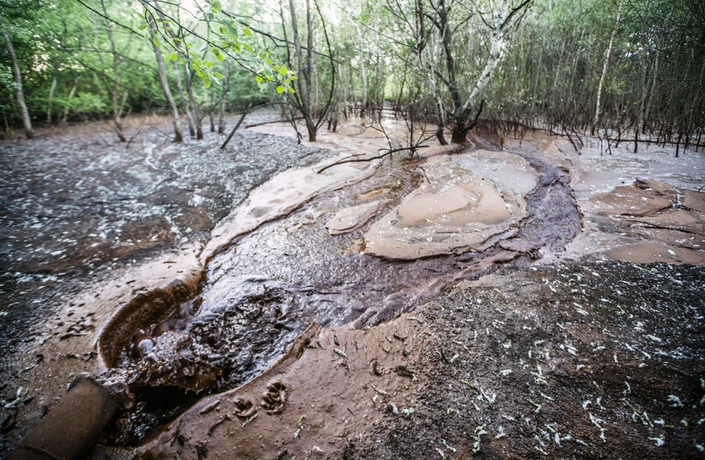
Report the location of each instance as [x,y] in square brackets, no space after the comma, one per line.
[226,88]
[192,102]
[19,94]
[184,100]
[116,77]
[51,98]
[304,81]
[211,108]
[497,50]
[363,70]
[161,69]
[650,96]
[604,67]
[71,94]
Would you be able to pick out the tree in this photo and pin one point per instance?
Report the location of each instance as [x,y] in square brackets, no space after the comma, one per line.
[17,82]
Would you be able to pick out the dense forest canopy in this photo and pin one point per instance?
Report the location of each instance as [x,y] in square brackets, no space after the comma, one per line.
[615,67]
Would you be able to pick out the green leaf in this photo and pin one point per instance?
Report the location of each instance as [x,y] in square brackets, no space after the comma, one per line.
[291,90]
[247,32]
[280,89]
[283,70]
[247,47]
[259,79]
[218,75]
[157,43]
[216,6]
[143,26]
[209,64]
[207,82]
[174,56]
[167,58]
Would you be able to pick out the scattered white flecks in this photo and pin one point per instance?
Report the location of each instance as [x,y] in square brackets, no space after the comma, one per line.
[541,450]
[407,412]
[654,338]
[507,345]
[598,401]
[579,309]
[500,432]
[479,431]
[701,421]
[393,408]
[675,400]
[660,421]
[596,421]
[510,418]
[672,253]
[544,396]
[628,390]
[316,449]
[540,379]
[452,449]
[700,447]
[659,441]
[440,452]
[702,400]
[374,399]
[537,406]
[684,422]
[579,366]
[586,404]
[490,397]
[615,358]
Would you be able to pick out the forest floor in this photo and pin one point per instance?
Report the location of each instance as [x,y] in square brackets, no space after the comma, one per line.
[575,342]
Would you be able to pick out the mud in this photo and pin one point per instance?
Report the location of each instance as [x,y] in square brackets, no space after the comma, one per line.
[184,331]
[269,285]
[567,360]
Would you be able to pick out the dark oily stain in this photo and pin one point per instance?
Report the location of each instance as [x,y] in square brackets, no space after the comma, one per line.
[263,291]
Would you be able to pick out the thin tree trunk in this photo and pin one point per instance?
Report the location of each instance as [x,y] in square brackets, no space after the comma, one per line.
[161,68]
[239,122]
[363,70]
[604,66]
[650,96]
[304,81]
[50,103]
[211,108]
[116,77]
[71,94]
[184,100]
[226,88]
[19,94]
[192,102]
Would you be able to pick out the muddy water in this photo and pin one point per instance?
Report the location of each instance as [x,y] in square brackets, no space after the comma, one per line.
[269,285]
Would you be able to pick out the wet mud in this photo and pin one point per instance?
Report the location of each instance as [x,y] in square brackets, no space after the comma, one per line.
[564,360]
[264,289]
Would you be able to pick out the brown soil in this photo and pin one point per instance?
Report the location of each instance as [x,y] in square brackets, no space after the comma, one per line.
[573,360]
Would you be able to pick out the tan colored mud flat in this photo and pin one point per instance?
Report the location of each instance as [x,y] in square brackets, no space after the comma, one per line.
[655,221]
[452,211]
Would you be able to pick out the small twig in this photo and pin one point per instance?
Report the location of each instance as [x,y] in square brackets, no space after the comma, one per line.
[378,157]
